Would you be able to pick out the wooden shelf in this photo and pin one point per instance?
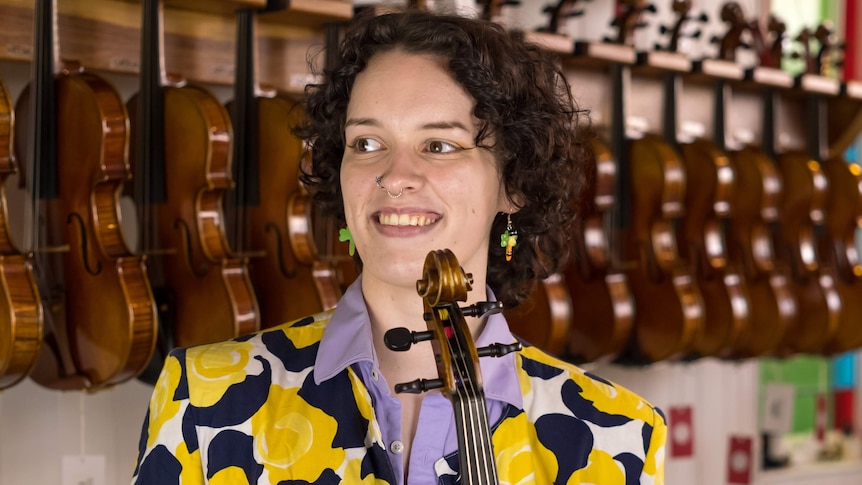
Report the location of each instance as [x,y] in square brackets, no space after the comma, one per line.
[199,36]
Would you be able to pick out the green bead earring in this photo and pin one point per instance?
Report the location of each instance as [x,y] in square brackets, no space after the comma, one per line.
[344,235]
[509,238]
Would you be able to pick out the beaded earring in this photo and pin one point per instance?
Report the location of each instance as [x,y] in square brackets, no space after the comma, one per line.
[509,238]
[345,236]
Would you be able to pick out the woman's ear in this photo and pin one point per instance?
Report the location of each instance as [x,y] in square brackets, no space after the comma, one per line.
[511,203]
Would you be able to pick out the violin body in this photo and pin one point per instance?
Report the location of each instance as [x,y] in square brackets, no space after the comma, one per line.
[213,296]
[601,297]
[669,316]
[544,319]
[101,304]
[838,249]
[704,247]
[756,204]
[290,281]
[819,304]
[270,214]
[21,308]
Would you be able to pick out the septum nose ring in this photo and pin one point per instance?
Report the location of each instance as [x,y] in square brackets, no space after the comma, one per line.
[378,181]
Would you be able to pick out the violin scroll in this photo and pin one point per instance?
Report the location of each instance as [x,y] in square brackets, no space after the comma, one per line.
[443,284]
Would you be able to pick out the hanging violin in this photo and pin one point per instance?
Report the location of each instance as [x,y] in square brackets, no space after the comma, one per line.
[669,314]
[444,283]
[803,216]
[843,216]
[751,232]
[100,313]
[181,154]
[703,229]
[21,307]
[271,210]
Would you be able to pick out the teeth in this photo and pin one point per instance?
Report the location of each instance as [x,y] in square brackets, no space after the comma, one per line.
[405,220]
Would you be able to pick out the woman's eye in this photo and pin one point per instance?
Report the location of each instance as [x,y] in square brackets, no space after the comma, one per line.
[438,146]
[366,145]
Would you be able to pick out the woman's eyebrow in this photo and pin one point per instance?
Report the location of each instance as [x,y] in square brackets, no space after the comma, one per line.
[444,125]
[362,122]
[434,125]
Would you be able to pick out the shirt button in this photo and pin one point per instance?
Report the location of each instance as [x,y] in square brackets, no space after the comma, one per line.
[375,375]
[397,447]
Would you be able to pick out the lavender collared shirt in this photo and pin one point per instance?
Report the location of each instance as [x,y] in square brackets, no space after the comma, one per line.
[347,342]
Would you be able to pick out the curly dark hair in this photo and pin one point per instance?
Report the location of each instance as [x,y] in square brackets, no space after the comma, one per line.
[522,100]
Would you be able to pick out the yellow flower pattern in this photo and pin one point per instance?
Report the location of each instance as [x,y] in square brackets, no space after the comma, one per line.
[249,411]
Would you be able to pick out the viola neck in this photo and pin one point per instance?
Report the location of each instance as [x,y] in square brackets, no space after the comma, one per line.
[245,116]
[149,177]
[151,115]
[44,103]
[476,453]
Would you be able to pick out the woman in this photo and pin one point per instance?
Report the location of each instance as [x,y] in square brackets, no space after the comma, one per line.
[432,132]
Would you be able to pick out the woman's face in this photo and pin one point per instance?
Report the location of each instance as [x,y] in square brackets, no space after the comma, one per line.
[411,124]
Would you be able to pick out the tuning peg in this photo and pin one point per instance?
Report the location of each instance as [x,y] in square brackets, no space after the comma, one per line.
[498,350]
[400,339]
[576,13]
[703,17]
[482,308]
[419,386]
[696,34]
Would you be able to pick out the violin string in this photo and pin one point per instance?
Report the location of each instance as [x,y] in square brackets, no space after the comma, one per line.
[474,414]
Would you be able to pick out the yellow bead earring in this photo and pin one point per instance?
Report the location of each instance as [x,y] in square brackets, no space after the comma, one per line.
[509,238]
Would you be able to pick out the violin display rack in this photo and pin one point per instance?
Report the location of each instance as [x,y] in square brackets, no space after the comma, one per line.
[199,36]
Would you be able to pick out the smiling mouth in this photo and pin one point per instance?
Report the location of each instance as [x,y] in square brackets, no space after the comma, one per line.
[405,220]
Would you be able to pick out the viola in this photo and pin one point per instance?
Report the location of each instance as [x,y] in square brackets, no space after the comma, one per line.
[751,230]
[444,283]
[102,325]
[600,292]
[703,229]
[272,214]
[181,154]
[670,309]
[21,316]
[838,246]
[802,222]
[669,316]
[842,217]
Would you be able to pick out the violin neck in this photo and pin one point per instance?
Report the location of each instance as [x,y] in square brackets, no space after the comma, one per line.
[43,146]
[476,452]
[150,146]
[245,115]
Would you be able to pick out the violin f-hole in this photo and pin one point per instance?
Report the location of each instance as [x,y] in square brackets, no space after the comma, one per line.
[287,272]
[199,271]
[85,245]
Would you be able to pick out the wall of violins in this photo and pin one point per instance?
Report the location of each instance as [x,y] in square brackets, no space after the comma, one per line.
[151,201]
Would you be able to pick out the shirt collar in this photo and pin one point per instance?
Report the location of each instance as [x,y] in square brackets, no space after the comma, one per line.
[347,340]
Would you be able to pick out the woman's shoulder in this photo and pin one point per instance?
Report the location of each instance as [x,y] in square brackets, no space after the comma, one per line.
[545,378]
[295,340]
